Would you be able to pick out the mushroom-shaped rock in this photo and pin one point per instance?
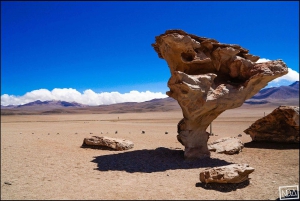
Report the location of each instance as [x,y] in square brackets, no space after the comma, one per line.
[103,141]
[226,145]
[207,78]
[281,125]
[233,173]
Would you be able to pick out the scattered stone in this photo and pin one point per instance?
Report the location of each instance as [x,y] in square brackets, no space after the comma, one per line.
[114,143]
[281,125]
[166,132]
[207,78]
[116,132]
[143,132]
[8,183]
[239,135]
[227,145]
[233,173]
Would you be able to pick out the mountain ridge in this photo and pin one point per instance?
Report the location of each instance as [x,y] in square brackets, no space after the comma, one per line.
[272,96]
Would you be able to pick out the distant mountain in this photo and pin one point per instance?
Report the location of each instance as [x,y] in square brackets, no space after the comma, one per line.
[283,95]
[40,105]
[275,94]
[53,103]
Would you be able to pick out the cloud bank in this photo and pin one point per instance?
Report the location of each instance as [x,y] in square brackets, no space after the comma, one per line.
[88,97]
[291,77]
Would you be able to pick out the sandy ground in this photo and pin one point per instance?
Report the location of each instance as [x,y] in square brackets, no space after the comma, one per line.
[41,158]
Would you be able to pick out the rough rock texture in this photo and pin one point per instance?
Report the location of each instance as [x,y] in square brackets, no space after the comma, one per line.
[226,145]
[114,143]
[233,173]
[281,125]
[207,78]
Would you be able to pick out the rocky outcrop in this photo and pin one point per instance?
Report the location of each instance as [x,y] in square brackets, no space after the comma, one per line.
[281,125]
[207,78]
[113,143]
[226,145]
[233,173]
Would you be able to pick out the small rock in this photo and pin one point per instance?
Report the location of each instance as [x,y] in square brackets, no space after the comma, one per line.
[8,183]
[239,135]
[166,132]
[116,132]
[143,132]
[226,145]
[233,173]
[114,143]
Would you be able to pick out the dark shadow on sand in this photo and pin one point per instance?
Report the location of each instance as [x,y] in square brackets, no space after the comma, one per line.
[157,160]
[271,145]
[223,187]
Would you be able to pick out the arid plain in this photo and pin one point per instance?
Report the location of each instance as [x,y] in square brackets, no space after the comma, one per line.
[42,158]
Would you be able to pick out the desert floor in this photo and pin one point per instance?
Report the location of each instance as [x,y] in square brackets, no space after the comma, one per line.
[41,158]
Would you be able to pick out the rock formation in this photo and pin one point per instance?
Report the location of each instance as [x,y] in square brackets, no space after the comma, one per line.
[113,143]
[281,125]
[207,78]
[226,145]
[233,173]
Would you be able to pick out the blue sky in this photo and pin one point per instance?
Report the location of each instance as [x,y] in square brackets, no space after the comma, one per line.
[100,52]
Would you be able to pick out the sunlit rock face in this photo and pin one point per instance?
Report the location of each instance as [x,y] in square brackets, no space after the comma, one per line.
[207,78]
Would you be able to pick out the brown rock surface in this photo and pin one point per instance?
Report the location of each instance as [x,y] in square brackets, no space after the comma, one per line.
[233,173]
[281,125]
[114,143]
[207,78]
[226,145]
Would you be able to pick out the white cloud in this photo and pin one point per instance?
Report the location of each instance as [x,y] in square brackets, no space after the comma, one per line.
[262,60]
[88,97]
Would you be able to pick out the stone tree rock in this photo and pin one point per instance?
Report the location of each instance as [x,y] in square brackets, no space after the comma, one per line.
[113,143]
[233,173]
[281,125]
[207,78]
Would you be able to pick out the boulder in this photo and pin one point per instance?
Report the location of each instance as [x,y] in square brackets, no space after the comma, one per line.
[113,143]
[207,78]
[281,125]
[233,173]
[227,145]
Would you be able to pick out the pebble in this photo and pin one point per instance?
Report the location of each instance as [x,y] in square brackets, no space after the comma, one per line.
[8,183]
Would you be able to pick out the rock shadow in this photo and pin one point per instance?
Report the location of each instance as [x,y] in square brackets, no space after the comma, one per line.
[227,187]
[271,145]
[157,160]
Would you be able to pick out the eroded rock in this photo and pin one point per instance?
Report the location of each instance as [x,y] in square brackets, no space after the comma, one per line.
[233,173]
[207,78]
[113,143]
[226,145]
[281,125]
